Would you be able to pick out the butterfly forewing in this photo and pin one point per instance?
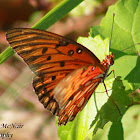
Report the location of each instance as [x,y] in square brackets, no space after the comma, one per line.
[52,58]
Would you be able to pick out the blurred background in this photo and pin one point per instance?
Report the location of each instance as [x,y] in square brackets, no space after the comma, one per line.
[18,103]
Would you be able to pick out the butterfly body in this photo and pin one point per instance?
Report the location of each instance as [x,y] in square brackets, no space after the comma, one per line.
[66,73]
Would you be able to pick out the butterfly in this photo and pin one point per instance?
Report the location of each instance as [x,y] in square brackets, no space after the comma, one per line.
[66,73]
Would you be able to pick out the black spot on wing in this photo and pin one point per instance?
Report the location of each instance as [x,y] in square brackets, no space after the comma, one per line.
[49,58]
[62,64]
[31,59]
[44,50]
[53,77]
[79,50]
[62,43]
[70,52]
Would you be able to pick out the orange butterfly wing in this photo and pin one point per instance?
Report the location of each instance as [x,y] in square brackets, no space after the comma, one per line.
[51,57]
[75,89]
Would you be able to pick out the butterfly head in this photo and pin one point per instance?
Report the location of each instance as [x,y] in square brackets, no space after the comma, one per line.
[108,61]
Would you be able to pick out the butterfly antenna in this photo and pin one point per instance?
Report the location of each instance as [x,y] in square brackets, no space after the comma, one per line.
[111,30]
[127,48]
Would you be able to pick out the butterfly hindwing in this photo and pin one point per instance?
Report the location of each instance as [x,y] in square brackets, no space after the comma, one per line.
[44,86]
[45,95]
[73,91]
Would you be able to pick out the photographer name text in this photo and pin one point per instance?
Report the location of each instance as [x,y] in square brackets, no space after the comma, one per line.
[9,126]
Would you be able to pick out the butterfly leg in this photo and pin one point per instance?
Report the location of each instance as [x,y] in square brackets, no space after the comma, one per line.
[113,73]
[110,97]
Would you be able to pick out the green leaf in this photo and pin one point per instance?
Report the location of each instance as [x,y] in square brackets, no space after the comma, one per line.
[126,33]
[116,131]
[109,111]
[126,26]
[132,77]
[96,45]
[131,123]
